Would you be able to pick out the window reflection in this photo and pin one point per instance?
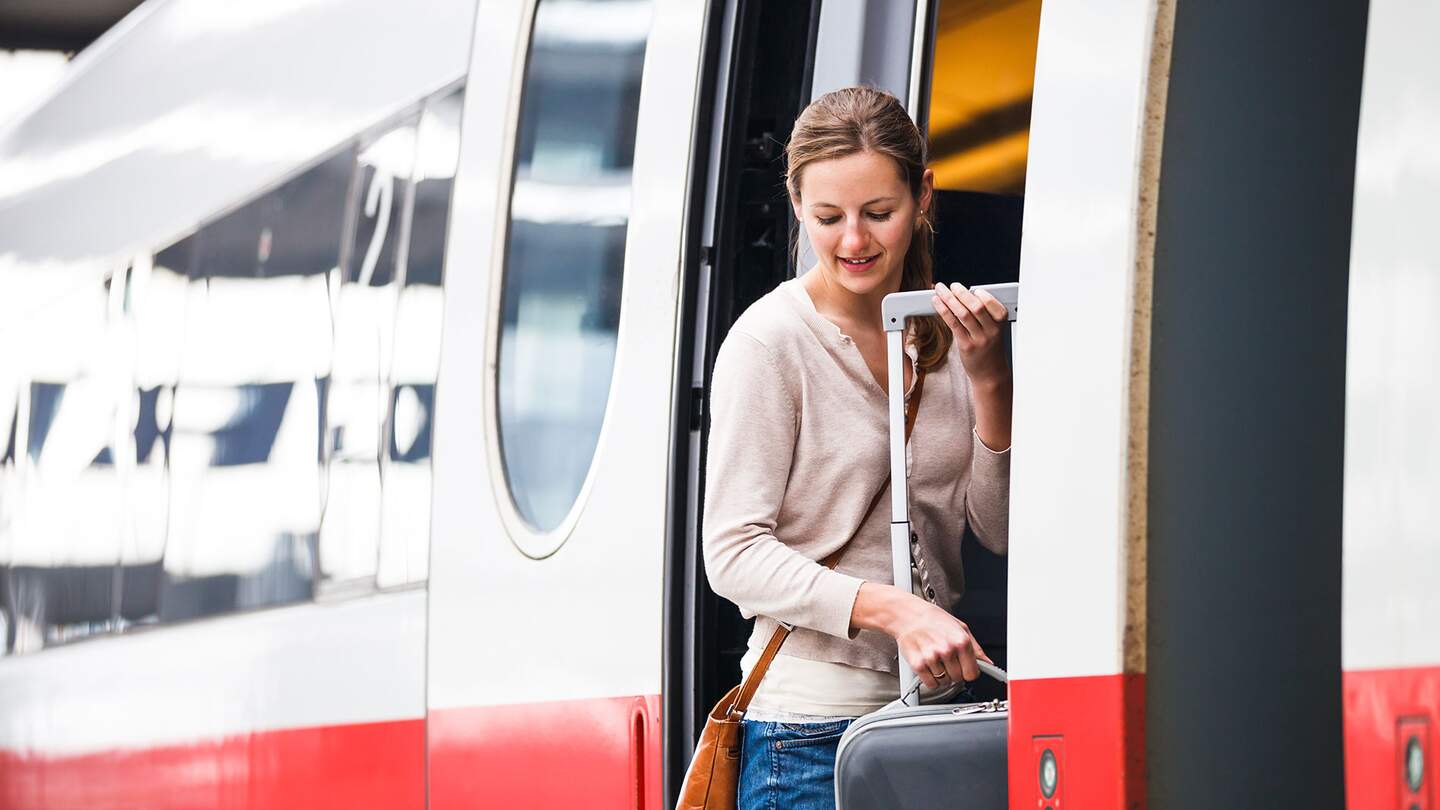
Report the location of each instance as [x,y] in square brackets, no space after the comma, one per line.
[208,429]
[157,297]
[357,395]
[405,511]
[245,474]
[560,306]
[61,527]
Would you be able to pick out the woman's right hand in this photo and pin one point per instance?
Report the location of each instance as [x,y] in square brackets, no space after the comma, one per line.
[932,641]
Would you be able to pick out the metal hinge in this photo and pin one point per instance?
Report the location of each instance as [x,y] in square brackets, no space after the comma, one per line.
[697,406]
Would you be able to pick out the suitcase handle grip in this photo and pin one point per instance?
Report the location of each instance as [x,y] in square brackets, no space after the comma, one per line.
[993,671]
[985,669]
[898,308]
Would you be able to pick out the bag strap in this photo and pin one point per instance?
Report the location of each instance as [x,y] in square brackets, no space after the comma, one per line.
[752,680]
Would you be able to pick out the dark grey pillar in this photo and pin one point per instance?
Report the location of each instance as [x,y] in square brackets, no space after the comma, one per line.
[1248,405]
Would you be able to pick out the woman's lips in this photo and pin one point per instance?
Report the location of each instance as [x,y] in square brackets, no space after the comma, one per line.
[860,266]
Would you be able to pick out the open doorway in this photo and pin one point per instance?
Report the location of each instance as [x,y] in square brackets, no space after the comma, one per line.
[982,79]
[761,72]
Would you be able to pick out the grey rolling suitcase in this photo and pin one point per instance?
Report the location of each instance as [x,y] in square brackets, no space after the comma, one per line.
[905,755]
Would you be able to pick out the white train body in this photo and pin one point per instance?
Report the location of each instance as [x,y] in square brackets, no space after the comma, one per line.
[343,617]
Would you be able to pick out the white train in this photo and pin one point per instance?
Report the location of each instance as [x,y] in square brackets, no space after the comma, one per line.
[352,390]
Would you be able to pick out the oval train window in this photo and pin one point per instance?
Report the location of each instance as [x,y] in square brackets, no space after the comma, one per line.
[569,212]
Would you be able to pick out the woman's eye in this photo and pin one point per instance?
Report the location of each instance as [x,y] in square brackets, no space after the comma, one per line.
[880,216]
[827,220]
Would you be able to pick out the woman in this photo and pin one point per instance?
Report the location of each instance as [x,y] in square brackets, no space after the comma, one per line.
[799,447]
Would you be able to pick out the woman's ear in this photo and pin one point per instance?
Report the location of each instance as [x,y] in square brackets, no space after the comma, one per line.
[927,193]
[795,206]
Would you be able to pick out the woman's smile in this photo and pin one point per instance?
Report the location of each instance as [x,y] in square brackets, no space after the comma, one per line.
[859,264]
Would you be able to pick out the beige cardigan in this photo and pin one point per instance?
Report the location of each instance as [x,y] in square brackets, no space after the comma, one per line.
[798,445]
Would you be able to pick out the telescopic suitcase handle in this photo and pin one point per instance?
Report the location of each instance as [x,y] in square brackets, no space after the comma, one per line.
[896,311]
[899,307]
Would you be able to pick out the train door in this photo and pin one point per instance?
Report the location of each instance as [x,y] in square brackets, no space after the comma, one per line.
[965,68]
[544,646]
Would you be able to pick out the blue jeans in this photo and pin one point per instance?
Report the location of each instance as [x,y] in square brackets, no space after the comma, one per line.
[789,766]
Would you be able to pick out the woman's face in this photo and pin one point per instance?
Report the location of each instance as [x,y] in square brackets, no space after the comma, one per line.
[860,216]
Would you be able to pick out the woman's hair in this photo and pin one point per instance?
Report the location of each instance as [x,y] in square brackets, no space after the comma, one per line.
[863,119]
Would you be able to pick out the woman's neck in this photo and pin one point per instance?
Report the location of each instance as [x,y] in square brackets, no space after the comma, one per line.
[839,304]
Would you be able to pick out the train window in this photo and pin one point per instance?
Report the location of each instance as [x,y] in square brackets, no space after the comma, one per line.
[357,396]
[245,473]
[569,210]
[415,363]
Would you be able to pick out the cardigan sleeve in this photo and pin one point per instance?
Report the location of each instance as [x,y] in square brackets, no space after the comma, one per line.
[754,422]
[987,498]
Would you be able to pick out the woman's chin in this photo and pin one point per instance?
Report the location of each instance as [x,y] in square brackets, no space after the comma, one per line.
[862,283]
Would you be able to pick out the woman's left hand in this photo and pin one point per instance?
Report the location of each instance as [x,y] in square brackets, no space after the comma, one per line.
[975,318]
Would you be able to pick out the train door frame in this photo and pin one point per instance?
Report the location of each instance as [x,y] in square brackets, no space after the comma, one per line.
[695,619]
[708,297]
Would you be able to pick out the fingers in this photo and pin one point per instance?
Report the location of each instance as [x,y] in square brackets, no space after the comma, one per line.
[981,317]
[927,675]
[954,662]
[959,317]
[929,666]
[955,665]
[946,307]
[992,305]
[940,649]
[965,657]
[973,317]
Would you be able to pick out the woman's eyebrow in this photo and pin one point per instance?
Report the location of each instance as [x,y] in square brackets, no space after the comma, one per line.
[862,205]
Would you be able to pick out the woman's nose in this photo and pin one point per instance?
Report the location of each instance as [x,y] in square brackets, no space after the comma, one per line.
[855,238]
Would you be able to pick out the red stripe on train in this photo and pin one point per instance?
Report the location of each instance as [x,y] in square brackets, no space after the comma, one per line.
[359,765]
[605,753]
[1096,727]
[1383,709]
[600,753]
